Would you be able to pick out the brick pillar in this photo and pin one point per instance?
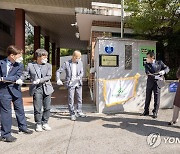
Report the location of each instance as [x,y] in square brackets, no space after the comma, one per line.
[46,46]
[53,61]
[37,32]
[57,57]
[94,35]
[20,28]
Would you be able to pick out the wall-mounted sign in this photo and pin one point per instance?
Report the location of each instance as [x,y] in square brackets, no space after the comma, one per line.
[173,86]
[143,51]
[109,60]
[109,49]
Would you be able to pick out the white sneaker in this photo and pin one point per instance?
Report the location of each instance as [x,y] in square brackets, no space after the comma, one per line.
[39,128]
[46,127]
[73,117]
[81,114]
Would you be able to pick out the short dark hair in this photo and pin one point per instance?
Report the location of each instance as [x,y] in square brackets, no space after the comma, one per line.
[151,54]
[41,52]
[12,49]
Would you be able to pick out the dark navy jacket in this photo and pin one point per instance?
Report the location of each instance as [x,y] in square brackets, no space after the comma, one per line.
[149,69]
[13,75]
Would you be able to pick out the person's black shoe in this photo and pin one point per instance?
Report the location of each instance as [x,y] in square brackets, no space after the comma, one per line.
[8,139]
[26,131]
[154,115]
[172,123]
[144,114]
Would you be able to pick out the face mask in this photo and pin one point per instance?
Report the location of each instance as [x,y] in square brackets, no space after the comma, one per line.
[19,60]
[44,61]
[78,60]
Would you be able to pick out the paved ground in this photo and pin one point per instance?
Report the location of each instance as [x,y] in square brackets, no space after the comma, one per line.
[97,134]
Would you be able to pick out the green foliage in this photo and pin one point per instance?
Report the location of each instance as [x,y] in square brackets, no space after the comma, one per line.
[172,74]
[158,20]
[29,54]
[29,44]
[29,39]
[42,41]
[65,52]
[69,52]
[154,17]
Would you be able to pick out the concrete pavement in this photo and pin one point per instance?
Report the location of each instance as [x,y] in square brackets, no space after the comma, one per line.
[97,134]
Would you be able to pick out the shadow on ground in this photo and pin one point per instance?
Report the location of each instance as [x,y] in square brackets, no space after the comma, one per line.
[134,125]
[30,125]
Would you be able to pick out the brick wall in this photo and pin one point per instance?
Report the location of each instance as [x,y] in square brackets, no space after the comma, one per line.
[106,24]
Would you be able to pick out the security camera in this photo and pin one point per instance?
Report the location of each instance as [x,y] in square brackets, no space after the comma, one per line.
[75,24]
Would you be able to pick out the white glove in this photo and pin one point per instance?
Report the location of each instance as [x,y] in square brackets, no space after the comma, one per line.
[1,79]
[162,72]
[19,81]
[158,78]
[36,81]
[59,82]
[78,78]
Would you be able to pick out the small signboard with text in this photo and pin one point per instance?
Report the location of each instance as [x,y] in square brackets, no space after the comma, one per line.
[173,87]
[109,60]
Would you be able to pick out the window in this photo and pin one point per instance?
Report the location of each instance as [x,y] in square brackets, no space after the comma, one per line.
[128,57]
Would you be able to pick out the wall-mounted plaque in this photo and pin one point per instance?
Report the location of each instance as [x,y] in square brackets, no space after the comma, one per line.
[109,60]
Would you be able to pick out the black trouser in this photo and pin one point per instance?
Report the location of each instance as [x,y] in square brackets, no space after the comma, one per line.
[6,97]
[152,87]
[40,99]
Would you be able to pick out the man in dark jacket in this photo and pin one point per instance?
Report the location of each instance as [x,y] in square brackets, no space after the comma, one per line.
[155,71]
[10,71]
